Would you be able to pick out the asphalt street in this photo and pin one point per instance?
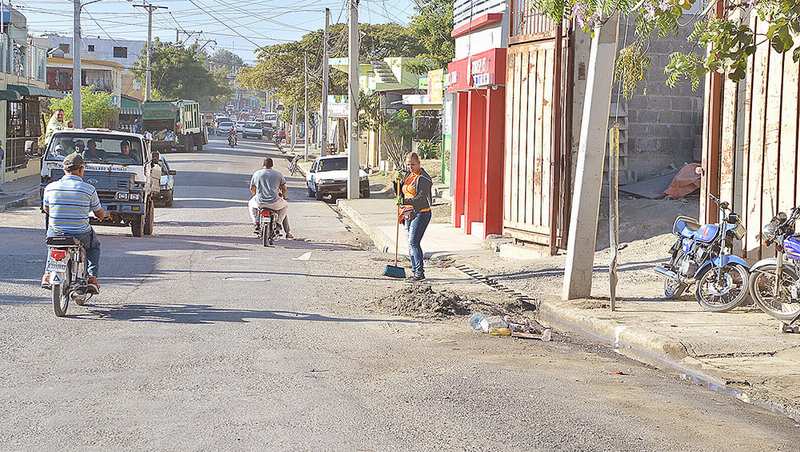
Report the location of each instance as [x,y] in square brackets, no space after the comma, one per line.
[204,339]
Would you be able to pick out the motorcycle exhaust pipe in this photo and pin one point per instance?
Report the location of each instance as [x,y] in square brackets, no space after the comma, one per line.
[667,273]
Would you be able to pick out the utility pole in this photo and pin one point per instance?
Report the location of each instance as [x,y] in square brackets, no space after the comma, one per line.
[323,135]
[305,114]
[352,123]
[148,74]
[77,119]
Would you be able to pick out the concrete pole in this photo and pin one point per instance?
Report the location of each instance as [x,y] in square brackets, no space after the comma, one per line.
[148,90]
[325,84]
[352,126]
[589,170]
[305,111]
[77,119]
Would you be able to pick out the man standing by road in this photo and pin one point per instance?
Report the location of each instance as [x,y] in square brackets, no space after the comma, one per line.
[68,202]
[268,188]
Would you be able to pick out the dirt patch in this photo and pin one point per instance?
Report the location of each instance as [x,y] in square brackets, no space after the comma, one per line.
[420,300]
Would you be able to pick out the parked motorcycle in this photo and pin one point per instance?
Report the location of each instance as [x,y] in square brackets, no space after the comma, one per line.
[776,275]
[67,267]
[267,229]
[701,256]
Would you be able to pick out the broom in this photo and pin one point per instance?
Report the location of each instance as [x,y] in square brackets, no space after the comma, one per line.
[394,271]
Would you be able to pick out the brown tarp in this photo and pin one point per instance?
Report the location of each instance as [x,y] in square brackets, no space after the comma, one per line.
[686,182]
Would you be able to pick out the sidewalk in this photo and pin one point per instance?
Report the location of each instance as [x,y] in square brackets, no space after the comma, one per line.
[377,218]
[19,193]
[741,353]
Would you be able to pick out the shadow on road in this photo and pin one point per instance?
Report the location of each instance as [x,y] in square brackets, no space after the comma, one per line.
[267,273]
[207,314]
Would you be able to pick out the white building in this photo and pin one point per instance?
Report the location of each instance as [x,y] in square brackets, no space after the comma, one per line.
[121,51]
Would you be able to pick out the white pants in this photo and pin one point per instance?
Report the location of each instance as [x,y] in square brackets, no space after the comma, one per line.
[280,207]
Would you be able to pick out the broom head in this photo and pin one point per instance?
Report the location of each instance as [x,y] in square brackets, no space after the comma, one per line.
[393,271]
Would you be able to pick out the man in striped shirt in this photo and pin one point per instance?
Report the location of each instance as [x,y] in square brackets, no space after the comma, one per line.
[68,203]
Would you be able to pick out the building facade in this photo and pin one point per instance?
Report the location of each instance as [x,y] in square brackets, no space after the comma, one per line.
[476,90]
[102,75]
[121,51]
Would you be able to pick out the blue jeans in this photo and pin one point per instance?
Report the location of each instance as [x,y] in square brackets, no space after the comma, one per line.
[416,229]
[90,244]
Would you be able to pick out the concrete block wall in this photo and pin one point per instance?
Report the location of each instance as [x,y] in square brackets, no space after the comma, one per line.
[664,124]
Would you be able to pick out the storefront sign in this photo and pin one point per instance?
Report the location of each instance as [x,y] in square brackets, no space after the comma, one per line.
[480,70]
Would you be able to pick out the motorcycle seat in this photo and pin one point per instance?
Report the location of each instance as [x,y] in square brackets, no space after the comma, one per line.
[63,240]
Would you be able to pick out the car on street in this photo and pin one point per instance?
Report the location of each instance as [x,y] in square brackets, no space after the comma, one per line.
[328,177]
[224,127]
[253,129]
[166,194]
[240,126]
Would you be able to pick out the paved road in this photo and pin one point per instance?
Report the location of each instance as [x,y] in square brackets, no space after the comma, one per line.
[202,339]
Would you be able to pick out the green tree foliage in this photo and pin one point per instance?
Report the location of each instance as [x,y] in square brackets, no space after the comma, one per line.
[224,57]
[280,67]
[97,107]
[181,73]
[730,39]
[432,24]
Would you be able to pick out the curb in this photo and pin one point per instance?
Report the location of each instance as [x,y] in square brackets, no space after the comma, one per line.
[652,349]
[28,199]
[379,240]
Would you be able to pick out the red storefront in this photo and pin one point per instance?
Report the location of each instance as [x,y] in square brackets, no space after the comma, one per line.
[478,83]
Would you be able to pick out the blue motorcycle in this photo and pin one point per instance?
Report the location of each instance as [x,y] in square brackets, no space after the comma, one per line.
[702,256]
[777,275]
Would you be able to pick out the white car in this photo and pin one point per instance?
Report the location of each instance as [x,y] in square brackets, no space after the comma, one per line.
[328,177]
[224,128]
[253,129]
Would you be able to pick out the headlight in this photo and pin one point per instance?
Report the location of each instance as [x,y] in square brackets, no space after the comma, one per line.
[122,196]
[135,196]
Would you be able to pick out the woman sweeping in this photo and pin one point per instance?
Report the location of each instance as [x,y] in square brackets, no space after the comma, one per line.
[416,211]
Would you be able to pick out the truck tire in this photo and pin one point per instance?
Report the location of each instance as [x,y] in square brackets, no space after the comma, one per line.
[199,143]
[137,226]
[149,217]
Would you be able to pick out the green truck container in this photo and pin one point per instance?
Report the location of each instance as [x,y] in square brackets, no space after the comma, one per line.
[174,124]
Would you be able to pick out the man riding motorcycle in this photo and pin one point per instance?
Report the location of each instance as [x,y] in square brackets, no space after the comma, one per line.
[232,138]
[68,203]
[268,188]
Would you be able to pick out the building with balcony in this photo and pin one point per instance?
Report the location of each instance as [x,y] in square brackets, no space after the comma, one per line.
[23,97]
[102,75]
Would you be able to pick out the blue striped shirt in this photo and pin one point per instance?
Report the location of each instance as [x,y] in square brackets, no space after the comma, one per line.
[69,201]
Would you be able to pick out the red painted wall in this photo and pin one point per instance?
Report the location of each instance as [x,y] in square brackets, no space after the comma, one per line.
[461,109]
[476,147]
[493,162]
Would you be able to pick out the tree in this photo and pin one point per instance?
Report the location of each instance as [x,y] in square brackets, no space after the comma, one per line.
[181,73]
[97,107]
[730,40]
[432,24]
[226,58]
[280,67]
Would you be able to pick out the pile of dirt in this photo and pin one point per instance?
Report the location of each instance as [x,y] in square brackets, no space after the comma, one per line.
[422,301]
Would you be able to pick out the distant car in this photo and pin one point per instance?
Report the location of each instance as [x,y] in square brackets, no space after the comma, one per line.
[328,177]
[224,127]
[166,195]
[240,126]
[253,129]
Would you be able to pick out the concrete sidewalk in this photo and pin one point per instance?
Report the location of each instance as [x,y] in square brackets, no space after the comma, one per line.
[741,353]
[19,193]
[377,218]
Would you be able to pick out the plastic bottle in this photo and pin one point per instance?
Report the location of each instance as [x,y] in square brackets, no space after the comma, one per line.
[478,322]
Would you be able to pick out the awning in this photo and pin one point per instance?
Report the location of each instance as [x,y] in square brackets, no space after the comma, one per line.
[32,91]
[8,94]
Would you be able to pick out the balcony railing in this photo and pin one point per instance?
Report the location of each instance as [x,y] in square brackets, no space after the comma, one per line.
[528,23]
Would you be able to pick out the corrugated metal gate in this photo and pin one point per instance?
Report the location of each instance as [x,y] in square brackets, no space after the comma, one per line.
[538,108]
[751,143]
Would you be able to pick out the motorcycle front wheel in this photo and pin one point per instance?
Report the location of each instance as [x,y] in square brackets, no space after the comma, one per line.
[762,289]
[724,293]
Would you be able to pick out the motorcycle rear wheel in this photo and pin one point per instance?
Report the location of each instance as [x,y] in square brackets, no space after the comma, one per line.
[60,295]
[762,288]
[264,233]
[735,278]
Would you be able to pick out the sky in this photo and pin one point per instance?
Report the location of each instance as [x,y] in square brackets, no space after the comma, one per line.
[236,25]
